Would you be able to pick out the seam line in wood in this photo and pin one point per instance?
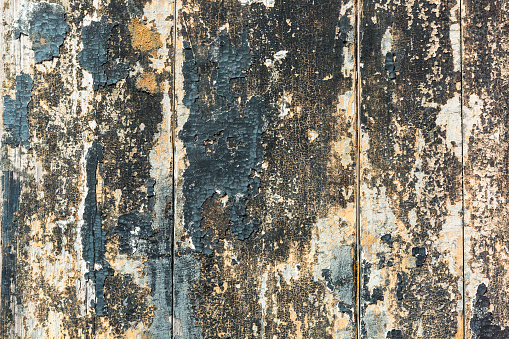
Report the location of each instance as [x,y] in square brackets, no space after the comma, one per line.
[462,174]
[174,169]
[357,171]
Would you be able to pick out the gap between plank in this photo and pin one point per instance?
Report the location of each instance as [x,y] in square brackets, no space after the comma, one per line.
[174,179]
[464,318]
[357,169]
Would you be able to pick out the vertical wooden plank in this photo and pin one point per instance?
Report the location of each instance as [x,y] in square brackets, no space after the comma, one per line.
[265,160]
[411,170]
[485,84]
[87,169]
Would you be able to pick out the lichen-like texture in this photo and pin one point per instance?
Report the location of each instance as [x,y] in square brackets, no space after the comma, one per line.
[46,26]
[223,140]
[15,113]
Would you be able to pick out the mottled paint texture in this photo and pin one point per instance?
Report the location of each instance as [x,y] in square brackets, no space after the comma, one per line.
[222,141]
[410,172]
[46,26]
[15,113]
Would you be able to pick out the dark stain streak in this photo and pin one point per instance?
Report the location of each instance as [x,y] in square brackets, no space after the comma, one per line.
[11,187]
[223,143]
[45,24]
[15,113]
[400,284]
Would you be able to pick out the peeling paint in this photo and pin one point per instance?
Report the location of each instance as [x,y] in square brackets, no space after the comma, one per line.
[94,55]
[224,148]
[15,113]
[45,24]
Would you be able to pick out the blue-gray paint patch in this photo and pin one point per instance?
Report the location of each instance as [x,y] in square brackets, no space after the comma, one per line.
[187,272]
[394,334]
[131,228]
[15,113]
[45,24]
[95,53]
[11,187]
[392,64]
[420,255]
[339,278]
[92,233]
[223,140]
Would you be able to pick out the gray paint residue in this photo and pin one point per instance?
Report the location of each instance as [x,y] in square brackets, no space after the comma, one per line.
[95,53]
[15,113]
[45,24]
[187,271]
[222,139]
[340,279]
[159,272]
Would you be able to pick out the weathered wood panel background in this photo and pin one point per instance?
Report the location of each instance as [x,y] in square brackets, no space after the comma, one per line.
[254,169]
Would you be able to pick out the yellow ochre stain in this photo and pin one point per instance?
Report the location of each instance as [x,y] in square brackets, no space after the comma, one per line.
[143,38]
[148,82]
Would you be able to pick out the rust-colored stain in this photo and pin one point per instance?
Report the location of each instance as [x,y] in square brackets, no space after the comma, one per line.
[148,82]
[143,38]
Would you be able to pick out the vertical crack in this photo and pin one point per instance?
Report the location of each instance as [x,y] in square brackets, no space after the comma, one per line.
[174,151]
[357,167]
[462,171]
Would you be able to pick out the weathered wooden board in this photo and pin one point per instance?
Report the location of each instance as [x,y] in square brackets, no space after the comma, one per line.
[87,169]
[265,158]
[213,169]
[410,170]
[485,105]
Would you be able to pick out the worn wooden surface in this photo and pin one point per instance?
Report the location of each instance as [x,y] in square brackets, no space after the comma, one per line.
[253,169]
[265,237]
[485,84]
[410,170]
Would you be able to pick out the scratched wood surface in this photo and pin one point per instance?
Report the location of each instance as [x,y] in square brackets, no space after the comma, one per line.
[213,169]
